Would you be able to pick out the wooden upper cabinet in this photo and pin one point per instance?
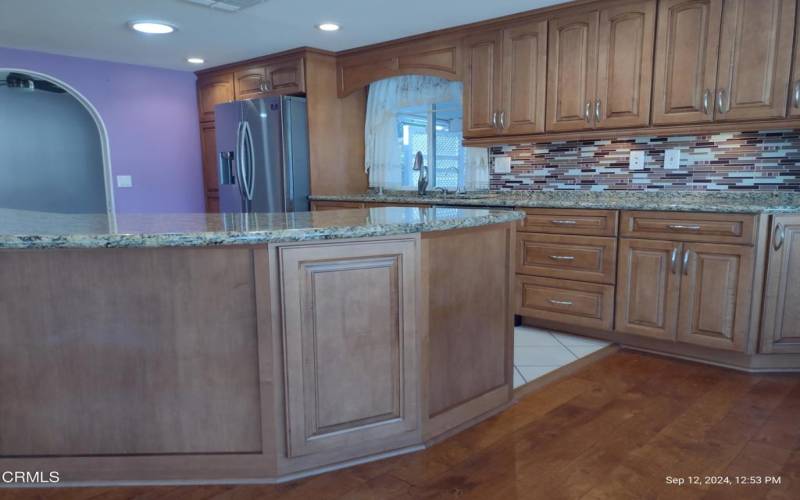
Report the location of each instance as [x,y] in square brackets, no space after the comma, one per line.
[755,57]
[716,294]
[571,71]
[208,142]
[625,65]
[524,78]
[686,61]
[780,329]
[286,76]
[794,88]
[482,83]
[212,90]
[648,288]
[250,82]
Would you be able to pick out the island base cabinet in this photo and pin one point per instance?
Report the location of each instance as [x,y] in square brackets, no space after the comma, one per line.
[349,346]
[468,351]
[780,329]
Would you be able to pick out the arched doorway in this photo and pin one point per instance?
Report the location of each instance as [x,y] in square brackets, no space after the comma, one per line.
[55,147]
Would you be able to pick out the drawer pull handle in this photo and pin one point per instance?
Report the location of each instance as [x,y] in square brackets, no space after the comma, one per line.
[563,222]
[780,235]
[562,257]
[686,227]
[560,302]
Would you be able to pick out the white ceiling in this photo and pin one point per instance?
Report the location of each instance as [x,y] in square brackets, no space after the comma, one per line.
[98,28]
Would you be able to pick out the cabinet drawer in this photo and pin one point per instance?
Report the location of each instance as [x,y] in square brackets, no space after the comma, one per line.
[571,302]
[714,228]
[582,258]
[569,221]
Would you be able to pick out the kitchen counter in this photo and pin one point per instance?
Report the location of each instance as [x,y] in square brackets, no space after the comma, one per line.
[678,201]
[27,229]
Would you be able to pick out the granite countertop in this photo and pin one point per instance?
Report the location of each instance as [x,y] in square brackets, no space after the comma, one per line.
[680,201]
[27,229]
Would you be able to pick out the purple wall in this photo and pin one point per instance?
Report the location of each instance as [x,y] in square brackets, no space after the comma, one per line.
[152,122]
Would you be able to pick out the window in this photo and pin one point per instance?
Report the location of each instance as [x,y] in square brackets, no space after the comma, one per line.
[435,131]
[410,114]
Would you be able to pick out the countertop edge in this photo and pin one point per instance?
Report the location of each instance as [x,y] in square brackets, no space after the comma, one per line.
[215,239]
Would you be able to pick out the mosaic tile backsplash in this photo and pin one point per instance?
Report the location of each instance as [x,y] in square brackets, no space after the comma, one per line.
[767,160]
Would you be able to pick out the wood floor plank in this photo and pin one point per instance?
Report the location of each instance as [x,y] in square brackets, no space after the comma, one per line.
[613,430]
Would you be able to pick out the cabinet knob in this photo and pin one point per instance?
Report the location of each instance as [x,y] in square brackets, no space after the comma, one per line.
[502,119]
[597,109]
[686,261]
[780,235]
[796,94]
[587,112]
[722,107]
[706,101]
[673,260]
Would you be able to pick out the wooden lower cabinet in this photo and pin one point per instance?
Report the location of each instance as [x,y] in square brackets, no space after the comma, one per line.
[780,329]
[582,258]
[648,288]
[562,301]
[695,293]
[350,344]
[317,206]
[716,294]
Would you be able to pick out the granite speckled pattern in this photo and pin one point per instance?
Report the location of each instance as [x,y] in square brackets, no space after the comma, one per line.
[21,229]
[678,201]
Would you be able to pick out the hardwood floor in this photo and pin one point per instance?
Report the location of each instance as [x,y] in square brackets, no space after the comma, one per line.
[614,430]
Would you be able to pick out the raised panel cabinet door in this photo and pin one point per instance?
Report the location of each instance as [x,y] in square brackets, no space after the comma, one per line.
[524,78]
[755,57]
[213,90]
[626,36]
[571,72]
[716,294]
[208,141]
[249,83]
[482,83]
[286,77]
[648,287]
[794,84]
[349,337]
[780,329]
[685,73]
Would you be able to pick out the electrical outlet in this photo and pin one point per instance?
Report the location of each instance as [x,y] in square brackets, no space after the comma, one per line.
[672,159]
[636,160]
[502,164]
[124,181]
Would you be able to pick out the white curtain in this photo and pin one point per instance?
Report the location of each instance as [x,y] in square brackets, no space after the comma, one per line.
[386,98]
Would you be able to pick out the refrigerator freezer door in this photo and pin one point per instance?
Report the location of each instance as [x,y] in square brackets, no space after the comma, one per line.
[263,117]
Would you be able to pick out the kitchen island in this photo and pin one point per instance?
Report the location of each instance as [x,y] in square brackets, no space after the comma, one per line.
[260,347]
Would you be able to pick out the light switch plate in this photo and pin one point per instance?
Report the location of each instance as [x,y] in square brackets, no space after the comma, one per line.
[502,164]
[672,159]
[124,181]
[636,160]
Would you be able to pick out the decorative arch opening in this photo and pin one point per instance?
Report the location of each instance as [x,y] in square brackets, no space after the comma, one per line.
[57,152]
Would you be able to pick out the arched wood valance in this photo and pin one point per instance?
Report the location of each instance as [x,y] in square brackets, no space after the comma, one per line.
[436,57]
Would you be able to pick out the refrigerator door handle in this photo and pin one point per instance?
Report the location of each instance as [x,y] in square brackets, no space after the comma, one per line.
[241,160]
[247,142]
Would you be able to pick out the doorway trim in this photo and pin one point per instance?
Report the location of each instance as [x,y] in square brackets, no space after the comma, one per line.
[108,179]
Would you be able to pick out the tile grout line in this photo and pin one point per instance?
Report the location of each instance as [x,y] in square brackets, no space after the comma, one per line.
[564,346]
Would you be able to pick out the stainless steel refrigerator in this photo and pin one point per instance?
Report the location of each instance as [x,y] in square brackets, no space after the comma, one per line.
[262,155]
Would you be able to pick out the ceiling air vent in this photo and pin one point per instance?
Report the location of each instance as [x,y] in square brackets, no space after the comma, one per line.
[226,5]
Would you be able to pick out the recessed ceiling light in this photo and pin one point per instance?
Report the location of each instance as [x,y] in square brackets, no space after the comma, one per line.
[151,27]
[195,60]
[328,27]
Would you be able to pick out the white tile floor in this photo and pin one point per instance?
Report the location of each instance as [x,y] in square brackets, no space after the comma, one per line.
[537,351]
